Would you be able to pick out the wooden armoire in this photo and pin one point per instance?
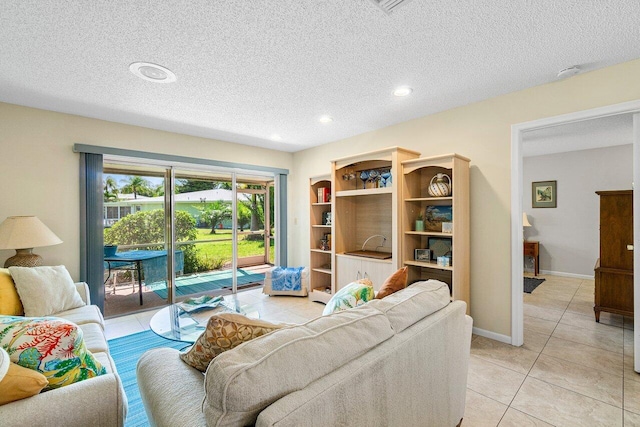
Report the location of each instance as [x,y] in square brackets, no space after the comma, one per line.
[614,268]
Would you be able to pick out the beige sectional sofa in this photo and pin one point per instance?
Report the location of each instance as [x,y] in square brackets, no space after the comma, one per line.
[398,361]
[98,401]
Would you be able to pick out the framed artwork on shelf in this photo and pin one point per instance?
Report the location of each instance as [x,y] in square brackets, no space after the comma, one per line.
[439,247]
[544,194]
[326,218]
[435,215]
[422,255]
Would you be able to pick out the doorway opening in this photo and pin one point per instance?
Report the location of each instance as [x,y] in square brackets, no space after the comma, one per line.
[517,185]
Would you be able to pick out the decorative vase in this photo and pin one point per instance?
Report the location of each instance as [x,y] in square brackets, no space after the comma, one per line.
[438,187]
[419,225]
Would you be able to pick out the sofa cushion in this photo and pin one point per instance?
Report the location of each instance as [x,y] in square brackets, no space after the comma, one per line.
[241,383]
[52,346]
[17,382]
[83,315]
[94,338]
[353,295]
[224,331]
[10,304]
[172,392]
[394,283]
[45,290]
[406,307]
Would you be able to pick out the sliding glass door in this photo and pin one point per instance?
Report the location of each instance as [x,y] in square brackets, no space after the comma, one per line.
[219,224]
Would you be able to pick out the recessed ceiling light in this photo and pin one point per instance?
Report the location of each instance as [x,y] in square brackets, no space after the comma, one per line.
[276,137]
[325,119]
[568,72]
[152,72]
[402,91]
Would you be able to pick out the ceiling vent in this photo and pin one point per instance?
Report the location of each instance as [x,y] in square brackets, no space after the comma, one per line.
[389,5]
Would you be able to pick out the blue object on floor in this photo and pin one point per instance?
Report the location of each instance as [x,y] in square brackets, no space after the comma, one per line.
[125,352]
[286,278]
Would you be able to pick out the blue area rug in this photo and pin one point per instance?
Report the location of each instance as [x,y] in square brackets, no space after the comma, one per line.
[206,282]
[125,352]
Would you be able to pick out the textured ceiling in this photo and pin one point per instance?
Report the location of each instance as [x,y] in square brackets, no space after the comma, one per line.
[247,69]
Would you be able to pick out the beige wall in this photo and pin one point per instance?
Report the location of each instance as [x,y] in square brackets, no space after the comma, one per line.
[40,172]
[482,132]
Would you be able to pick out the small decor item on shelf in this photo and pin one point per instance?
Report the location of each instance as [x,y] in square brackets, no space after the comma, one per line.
[419,222]
[435,216]
[326,218]
[374,177]
[422,255]
[324,244]
[364,176]
[349,175]
[385,178]
[439,246]
[438,187]
[447,227]
[443,261]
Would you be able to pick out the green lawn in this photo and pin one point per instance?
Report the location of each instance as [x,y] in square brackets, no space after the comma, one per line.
[221,251]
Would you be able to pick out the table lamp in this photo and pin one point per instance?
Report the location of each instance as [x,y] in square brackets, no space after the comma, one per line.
[23,233]
[525,222]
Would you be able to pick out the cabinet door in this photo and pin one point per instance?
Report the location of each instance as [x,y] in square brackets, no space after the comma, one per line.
[347,270]
[616,231]
[377,272]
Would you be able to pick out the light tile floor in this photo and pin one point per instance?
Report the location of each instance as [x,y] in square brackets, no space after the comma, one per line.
[571,371]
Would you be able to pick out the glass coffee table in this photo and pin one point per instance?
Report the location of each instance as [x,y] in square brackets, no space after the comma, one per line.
[175,324]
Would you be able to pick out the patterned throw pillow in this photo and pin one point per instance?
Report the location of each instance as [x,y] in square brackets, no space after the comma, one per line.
[351,296]
[394,283]
[224,332]
[50,345]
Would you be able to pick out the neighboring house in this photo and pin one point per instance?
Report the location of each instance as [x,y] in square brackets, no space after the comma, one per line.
[125,205]
[192,202]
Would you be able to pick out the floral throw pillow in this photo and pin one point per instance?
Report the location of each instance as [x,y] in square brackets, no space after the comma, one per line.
[353,295]
[51,346]
[224,332]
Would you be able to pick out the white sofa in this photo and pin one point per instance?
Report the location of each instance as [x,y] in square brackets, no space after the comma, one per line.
[98,401]
[399,361]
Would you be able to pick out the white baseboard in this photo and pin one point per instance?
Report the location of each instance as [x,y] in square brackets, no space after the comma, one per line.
[492,335]
[562,274]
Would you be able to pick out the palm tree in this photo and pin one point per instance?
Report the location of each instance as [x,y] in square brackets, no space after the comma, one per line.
[136,185]
[216,212]
[110,190]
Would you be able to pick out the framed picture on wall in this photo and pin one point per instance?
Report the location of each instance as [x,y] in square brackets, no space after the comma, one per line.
[544,194]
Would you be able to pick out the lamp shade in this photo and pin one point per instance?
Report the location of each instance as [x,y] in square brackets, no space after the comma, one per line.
[23,232]
[525,220]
